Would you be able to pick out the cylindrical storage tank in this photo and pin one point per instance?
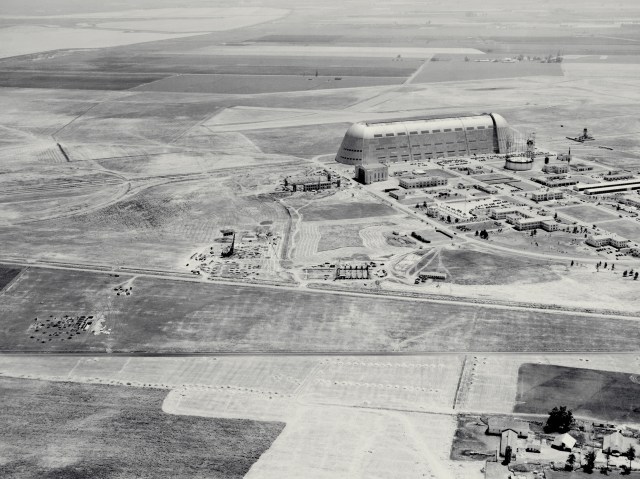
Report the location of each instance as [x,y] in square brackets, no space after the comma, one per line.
[518,164]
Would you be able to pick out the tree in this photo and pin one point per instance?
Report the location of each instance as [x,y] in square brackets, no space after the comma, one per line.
[624,275]
[571,460]
[631,455]
[560,420]
[477,233]
[635,277]
[607,454]
[507,455]
[448,218]
[590,457]
[571,262]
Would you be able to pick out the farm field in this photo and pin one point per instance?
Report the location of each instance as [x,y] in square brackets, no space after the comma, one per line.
[605,395]
[452,70]
[315,139]
[7,275]
[252,84]
[181,316]
[63,429]
[588,213]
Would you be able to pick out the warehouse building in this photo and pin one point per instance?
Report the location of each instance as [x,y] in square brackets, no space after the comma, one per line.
[423,182]
[423,138]
[581,167]
[308,183]
[496,425]
[618,175]
[609,187]
[368,173]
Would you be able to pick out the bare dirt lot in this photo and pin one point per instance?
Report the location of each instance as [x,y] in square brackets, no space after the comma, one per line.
[344,211]
[54,429]
[605,395]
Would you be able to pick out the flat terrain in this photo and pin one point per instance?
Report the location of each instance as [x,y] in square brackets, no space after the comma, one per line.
[588,213]
[605,395]
[7,275]
[344,211]
[56,429]
[179,316]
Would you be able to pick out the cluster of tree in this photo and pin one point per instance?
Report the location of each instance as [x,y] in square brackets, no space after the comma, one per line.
[560,420]
[483,234]
[630,274]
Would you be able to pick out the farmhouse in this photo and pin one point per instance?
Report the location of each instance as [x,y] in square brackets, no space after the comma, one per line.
[616,443]
[424,137]
[496,425]
[564,442]
[509,438]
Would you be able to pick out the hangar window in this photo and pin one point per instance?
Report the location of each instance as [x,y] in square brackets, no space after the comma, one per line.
[378,135]
[389,134]
[458,129]
[436,131]
[481,128]
[469,128]
[447,129]
[402,133]
[424,132]
[413,132]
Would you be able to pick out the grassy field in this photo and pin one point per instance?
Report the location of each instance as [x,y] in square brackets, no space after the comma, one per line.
[344,211]
[166,316]
[605,395]
[475,267]
[339,236]
[588,213]
[7,275]
[56,430]
[311,140]
[77,80]
[627,228]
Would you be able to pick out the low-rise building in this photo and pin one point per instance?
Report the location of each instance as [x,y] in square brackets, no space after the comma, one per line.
[616,443]
[502,213]
[308,183]
[555,181]
[598,240]
[509,438]
[368,173]
[618,175]
[564,442]
[496,425]
[398,194]
[492,190]
[581,167]
[422,182]
[522,223]
[546,195]
[556,168]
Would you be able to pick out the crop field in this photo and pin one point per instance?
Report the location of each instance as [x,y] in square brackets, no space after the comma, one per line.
[588,213]
[77,80]
[344,211]
[475,267]
[53,429]
[7,275]
[606,395]
[165,316]
[452,70]
[626,228]
[252,84]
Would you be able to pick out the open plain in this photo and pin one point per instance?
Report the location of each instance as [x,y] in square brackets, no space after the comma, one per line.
[193,283]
